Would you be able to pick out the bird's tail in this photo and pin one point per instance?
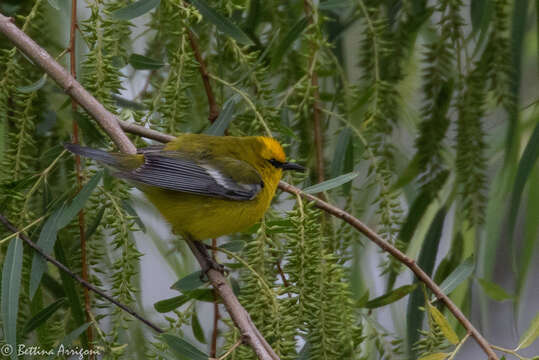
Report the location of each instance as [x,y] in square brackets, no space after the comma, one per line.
[96,154]
[114,160]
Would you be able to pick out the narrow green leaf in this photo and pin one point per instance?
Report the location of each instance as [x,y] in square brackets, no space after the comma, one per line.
[531,232]
[78,201]
[442,322]
[71,292]
[390,297]
[525,167]
[141,62]
[222,23]
[206,295]
[480,11]
[457,276]
[135,9]
[126,205]
[234,245]
[69,338]
[331,183]
[343,142]
[529,335]
[93,227]
[224,119]
[182,348]
[46,241]
[410,173]
[427,258]
[11,285]
[494,291]
[283,46]
[175,302]
[90,132]
[197,329]
[42,316]
[415,214]
[189,282]
[59,219]
[435,356]
[170,304]
[34,86]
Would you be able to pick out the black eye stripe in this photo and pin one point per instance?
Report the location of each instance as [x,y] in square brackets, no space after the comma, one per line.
[276,163]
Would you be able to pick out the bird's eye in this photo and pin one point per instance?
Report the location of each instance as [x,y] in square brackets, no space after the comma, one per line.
[276,163]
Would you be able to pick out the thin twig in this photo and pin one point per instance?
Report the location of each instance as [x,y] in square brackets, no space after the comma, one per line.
[213,107]
[77,278]
[111,126]
[84,262]
[238,343]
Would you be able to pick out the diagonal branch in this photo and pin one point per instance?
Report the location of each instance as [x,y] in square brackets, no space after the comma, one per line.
[110,125]
[77,278]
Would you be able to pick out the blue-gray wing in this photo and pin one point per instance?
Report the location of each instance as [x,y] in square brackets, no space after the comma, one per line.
[223,177]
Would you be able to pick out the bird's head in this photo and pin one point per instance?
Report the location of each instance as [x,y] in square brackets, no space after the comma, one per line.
[273,155]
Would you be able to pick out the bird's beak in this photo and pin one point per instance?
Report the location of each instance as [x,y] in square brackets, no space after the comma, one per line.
[292,166]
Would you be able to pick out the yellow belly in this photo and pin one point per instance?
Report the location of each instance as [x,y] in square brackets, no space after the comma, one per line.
[202,217]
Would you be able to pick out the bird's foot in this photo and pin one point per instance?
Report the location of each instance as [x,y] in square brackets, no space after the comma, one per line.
[210,263]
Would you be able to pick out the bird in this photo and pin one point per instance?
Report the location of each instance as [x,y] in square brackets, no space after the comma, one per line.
[205,186]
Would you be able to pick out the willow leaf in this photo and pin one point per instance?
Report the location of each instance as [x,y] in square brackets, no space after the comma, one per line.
[442,322]
[390,297]
[135,9]
[224,119]
[427,258]
[42,316]
[182,348]
[11,285]
[197,328]
[529,335]
[189,282]
[457,276]
[141,62]
[288,40]
[525,167]
[222,23]
[34,86]
[331,183]
[494,291]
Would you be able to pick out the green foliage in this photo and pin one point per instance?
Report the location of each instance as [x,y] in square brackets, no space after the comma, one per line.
[408,95]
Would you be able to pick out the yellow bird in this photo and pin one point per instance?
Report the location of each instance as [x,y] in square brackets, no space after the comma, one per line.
[204,186]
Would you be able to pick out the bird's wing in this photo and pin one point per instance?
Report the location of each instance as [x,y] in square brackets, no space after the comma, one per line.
[221,177]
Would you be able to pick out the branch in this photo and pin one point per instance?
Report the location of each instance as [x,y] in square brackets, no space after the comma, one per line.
[82,231]
[77,278]
[111,126]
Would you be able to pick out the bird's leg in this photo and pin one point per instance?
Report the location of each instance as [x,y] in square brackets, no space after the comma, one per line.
[210,263]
